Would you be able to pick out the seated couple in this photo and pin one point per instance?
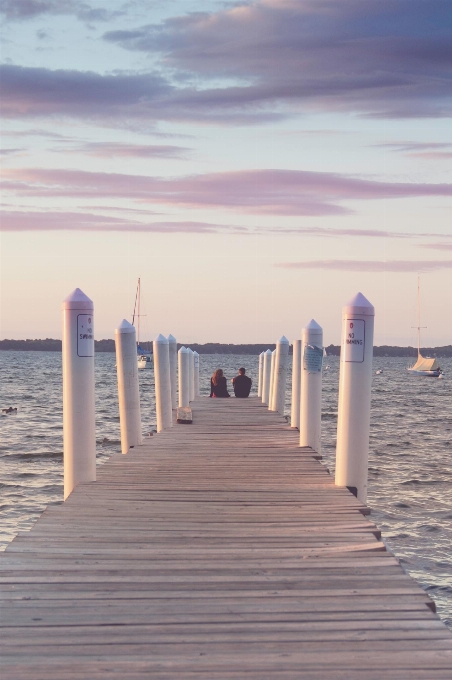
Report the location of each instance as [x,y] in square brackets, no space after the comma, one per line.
[241,383]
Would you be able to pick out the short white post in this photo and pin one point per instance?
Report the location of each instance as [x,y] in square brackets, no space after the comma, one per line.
[162,377]
[296,384]
[128,387]
[271,399]
[172,346]
[355,382]
[191,377]
[79,420]
[260,374]
[311,386]
[196,373]
[184,376]
[266,375]
[281,364]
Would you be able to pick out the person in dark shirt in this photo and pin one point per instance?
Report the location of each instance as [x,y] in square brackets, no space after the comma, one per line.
[242,384]
[218,385]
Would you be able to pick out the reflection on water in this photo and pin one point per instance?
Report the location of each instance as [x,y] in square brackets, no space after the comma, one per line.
[410,462]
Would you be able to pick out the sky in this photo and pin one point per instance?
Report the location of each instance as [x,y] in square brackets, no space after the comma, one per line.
[255,163]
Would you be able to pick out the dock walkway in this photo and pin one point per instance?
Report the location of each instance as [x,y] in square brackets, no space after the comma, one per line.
[216,551]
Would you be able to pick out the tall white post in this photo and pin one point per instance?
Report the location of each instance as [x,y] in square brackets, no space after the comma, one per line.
[296,384]
[355,379]
[184,376]
[266,375]
[79,421]
[191,377]
[196,373]
[271,399]
[260,374]
[281,364]
[311,386]
[162,376]
[128,387]
[172,346]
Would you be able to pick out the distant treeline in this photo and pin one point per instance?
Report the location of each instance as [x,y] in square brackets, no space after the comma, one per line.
[50,345]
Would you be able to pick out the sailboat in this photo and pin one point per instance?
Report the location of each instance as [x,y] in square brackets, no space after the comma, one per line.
[424,365]
[144,358]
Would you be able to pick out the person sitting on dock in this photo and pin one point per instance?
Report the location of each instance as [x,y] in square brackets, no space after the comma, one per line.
[242,384]
[218,385]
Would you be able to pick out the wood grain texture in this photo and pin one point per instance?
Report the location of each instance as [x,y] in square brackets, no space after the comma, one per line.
[217,551]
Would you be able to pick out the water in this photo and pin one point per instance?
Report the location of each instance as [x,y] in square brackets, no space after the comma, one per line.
[410,462]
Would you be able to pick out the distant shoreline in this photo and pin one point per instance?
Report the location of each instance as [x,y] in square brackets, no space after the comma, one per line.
[51,345]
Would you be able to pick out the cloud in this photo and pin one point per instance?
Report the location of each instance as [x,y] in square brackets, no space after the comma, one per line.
[21,221]
[128,99]
[384,58]
[112,149]
[30,9]
[9,152]
[374,266]
[437,246]
[427,150]
[265,192]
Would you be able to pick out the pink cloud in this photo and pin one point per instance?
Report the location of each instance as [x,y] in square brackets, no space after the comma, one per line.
[18,221]
[370,265]
[113,149]
[273,192]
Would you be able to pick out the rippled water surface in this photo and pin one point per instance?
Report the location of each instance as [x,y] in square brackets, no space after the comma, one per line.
[410,462]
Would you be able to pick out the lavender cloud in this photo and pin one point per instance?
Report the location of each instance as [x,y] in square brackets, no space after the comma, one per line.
[30,9]
[374,266]
[118,149]
[379,57]
[427,150]
[271,192]
[21,220]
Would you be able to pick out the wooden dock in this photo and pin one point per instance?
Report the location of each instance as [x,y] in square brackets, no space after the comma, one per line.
[216,551]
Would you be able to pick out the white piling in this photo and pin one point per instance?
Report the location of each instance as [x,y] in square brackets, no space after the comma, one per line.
[311,386]
[79,421]
[260,374]
[128,387]
[266,375]
[191,377]
[196,373]
[172,346]
[355,381]
[271,399]
[184,376]
[162,377]
[281,364]
[296,385]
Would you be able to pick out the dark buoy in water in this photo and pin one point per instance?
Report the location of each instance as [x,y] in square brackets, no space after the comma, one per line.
[9,410]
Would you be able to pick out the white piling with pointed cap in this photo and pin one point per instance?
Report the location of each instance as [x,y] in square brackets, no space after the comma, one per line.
[272,381]
[266,376]
[281,365]
[355,380]
[296,384]
[260,374]
[172,346]
[162,377]
[184,376]
[128,386]
[79,419]
[196,373]
[311,386]
[191,376]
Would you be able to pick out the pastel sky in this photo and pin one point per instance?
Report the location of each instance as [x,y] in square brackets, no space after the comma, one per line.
[256,163]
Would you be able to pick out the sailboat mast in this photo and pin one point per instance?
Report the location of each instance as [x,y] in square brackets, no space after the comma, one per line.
[418,316]
[138,325]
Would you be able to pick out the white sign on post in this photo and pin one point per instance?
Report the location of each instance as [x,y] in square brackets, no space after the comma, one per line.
[85,335]
[354,340]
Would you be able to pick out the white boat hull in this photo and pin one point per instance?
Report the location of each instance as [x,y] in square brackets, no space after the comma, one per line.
[431,374]
[144,362]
